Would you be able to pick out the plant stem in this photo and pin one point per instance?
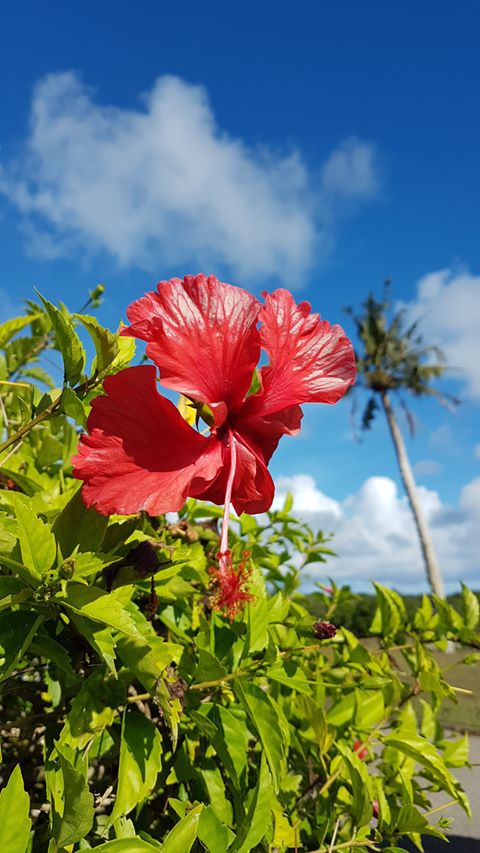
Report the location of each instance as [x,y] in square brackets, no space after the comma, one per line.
[440,808]
[25,429]
[344,845]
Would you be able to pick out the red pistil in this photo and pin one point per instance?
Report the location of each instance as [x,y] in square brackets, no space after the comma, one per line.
[230,584]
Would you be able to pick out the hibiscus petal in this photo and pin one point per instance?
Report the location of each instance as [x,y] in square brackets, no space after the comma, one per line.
[309,360]
[264,432]
[141,454]
[202,335]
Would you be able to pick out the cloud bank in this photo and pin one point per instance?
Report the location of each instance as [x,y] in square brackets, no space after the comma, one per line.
[448,308]
[165,185]
[375,537]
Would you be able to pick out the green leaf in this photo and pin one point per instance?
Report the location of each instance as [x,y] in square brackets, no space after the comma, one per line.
[68,342]
[79,527]
[184,833]
[37,542]
[425,753]
[72,802]
[390,615]
[140,762]
[456,753]
[213,833]
[100,638]
[216,791]
[315,715]
[17,630]
[128,845]
[100,606]
[113,351]
[227,734]
[361,786]
[92,709]
[342,712]
[370,708]
[471,607]
[291,675]
[14,815]
[106,344]
[265,721]
[209,667]
[258,818]
[73,407]
[148,658]
[11,327]
[27,485]
[54,652]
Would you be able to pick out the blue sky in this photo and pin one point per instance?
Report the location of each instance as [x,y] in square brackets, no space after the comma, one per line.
[324,149]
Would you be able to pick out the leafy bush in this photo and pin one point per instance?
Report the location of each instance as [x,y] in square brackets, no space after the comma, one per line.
[137,716]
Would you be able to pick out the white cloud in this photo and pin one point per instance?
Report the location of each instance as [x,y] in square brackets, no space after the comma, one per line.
[165,185]
[427,467]
[448,307]
[375,538]
[352,170]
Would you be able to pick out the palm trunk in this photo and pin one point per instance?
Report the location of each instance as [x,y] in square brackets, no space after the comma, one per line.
[433,571]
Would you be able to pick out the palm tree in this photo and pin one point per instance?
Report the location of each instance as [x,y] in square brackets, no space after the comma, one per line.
[393,359]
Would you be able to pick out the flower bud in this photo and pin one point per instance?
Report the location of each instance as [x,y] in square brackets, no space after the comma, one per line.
[324,630]
[360,749]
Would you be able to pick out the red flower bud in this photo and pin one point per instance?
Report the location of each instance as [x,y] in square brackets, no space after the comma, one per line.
[324,630]
[360,749]
[375,808]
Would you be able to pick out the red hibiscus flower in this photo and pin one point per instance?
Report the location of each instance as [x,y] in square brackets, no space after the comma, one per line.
[203,336]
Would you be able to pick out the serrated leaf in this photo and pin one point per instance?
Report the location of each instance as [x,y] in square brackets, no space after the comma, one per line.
[73,407]
[26,484]
[92,709]
[256,822]
[68,342]
[113,351]
[98,605]
[79,527]
[54,652]
[471,607]
[106,343]
[15,822]
[390,615]
[456,753]
[425,754]
[100,638]
[265,721]
[213,833]
[140,762]
[370,708]
[17,630]
[148,657]
[37,543]
[72,803]
[290,674]
[11,327]
[361,785]
[209,667]
[128,845]
[37,373]
[183,833]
